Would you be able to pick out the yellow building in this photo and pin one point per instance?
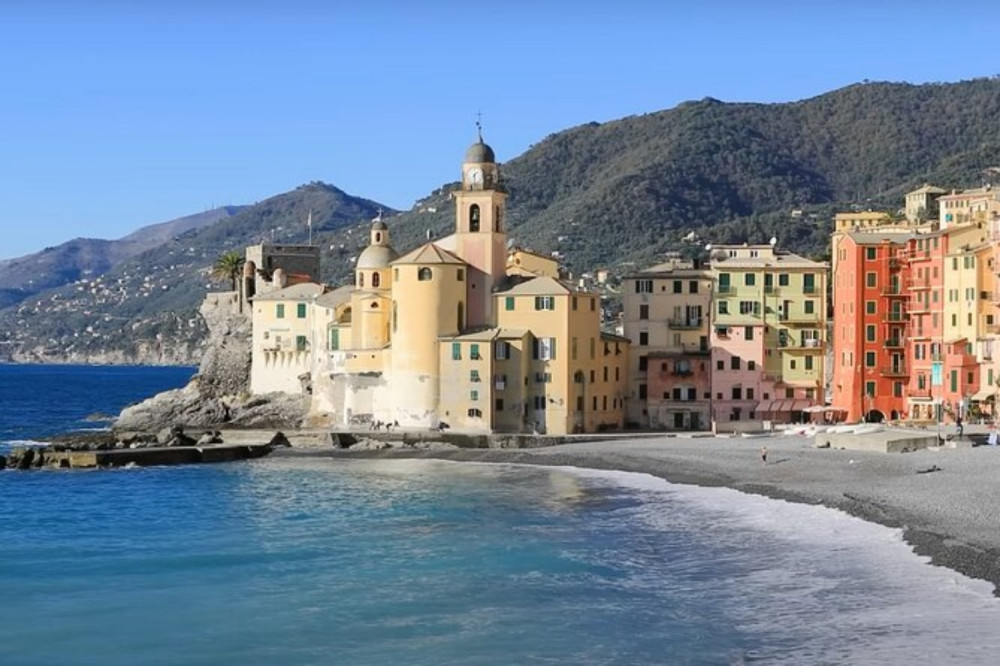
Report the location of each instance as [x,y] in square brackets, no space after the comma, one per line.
[455,332]
[769,334]
[861,220]
[282,341]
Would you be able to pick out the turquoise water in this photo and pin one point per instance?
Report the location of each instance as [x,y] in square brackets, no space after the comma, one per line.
[293,561]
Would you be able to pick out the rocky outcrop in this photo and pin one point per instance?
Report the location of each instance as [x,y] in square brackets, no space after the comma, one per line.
[219,394]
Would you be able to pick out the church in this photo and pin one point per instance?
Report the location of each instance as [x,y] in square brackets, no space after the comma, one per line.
[453,333]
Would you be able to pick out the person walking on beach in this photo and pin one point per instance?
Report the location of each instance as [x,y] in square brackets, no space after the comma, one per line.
[763,455]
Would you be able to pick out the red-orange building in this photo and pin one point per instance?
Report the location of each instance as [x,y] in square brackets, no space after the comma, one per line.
[871,323]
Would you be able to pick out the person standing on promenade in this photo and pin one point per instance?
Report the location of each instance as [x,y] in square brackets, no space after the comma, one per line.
[961,428]
[763,455]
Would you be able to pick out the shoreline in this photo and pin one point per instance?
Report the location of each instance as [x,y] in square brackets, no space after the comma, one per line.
[947,515]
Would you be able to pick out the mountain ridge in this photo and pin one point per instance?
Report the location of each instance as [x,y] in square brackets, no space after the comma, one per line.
[616,194]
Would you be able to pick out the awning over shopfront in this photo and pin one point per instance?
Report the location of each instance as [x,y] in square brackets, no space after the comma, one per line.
[984,394]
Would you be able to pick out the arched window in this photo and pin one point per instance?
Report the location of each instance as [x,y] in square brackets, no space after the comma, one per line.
[376,280]
[474,217]
[497,218]
[395,317]
[378,236]
[424,274]
[461,315]
[361,279]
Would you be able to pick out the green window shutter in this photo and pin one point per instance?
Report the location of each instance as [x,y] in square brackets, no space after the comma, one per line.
[279,310]
[552,347]
[510,302]
[334,339]
[474,350]
[300,310]
[954,380]
[456,351]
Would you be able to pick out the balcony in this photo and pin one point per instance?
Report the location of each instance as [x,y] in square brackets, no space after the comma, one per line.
[800,318]
[918,285]
[895,343]
[897,370]
[898,316]
[686,323]
[726,289]
[992,329]
[937,358]
[792,343]
[894,291]
[924,392]
[682,372]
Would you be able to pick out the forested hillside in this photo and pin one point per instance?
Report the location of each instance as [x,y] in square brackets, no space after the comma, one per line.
[615,194]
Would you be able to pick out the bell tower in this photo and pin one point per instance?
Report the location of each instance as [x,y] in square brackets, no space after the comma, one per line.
[480,228]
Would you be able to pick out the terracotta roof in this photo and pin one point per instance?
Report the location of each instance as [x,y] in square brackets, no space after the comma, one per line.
[877,237]
[429,253]
[928,189]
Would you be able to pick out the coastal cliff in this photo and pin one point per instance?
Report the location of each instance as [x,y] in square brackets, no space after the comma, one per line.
[220,393]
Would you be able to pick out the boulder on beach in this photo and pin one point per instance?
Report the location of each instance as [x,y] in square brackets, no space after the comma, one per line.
[279,439]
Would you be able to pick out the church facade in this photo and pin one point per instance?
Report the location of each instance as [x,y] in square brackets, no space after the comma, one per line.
[451,332]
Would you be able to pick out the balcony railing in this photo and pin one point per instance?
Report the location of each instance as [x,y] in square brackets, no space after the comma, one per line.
[894,290]
[898,316]
[726,289]
[895,371]
[920,392]
[686,323]
[894,343]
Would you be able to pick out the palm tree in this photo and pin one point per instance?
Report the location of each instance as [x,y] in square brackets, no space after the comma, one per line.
[228,267]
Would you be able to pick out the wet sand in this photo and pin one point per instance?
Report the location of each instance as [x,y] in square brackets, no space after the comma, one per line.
[951,515]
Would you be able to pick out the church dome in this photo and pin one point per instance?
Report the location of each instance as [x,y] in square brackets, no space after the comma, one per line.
[377,256]
[480,152]
[379,225]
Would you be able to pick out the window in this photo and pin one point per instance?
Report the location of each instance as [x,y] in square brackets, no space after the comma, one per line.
[749,394]
[643,363]
[809,363]
[459,316]
[502,350]
[749,308]
[474,351]
[748,332]
[678,287]
[498,405]
[692,286]
[870,333]
[870,389]
[642,391]
[723,307]
[361,279]
[474,217]
[810,306]
[870,253]
[720,365]
[871,307]
[395,317]
[593,348]
[545,303]
[792,364]
[544,349]
[456,351]
[300,343]
[593,305]
[509,303]
[734,363]
[376,280]
[395,274]
[870,359]
[871,280]
[474,395]
[644,286]
[424,274]
[724,283]
[460,275]
[897,389]
[300,310]
[782,279]
[333,343]
[750,279]
[473,375]
[475,412]
[751,365]
[279,311]
[737,393]
[643,338]
[643,311]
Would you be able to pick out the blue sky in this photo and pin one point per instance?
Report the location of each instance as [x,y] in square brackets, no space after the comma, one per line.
[117,114]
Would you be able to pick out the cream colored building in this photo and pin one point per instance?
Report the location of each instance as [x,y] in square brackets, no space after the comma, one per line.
[456,332]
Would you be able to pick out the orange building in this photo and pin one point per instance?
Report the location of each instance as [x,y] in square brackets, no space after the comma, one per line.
[871,324]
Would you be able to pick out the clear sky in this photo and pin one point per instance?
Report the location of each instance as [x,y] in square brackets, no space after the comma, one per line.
[115,113]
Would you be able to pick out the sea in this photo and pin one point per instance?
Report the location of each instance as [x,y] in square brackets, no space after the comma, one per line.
[332,561]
